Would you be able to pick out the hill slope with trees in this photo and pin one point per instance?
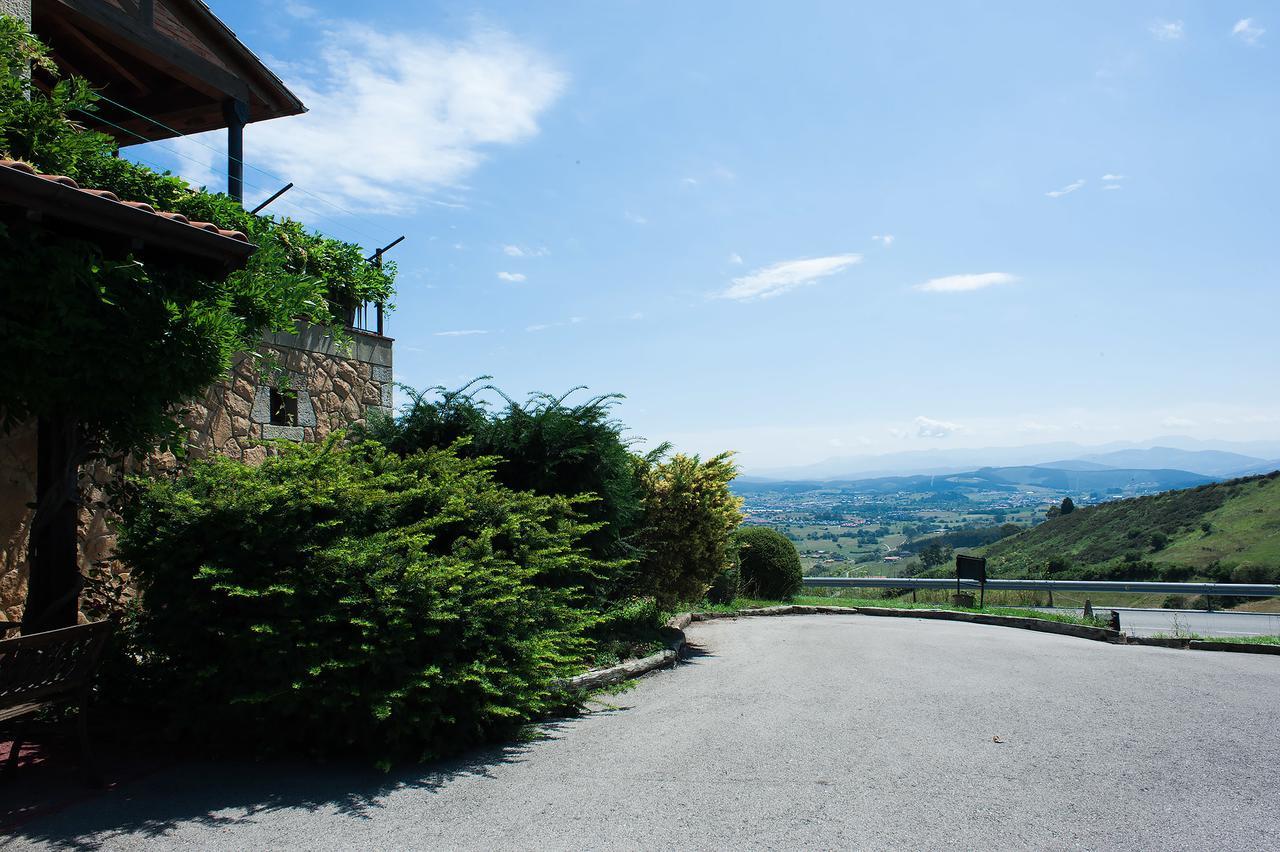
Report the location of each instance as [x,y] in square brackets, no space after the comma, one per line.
[1227,531]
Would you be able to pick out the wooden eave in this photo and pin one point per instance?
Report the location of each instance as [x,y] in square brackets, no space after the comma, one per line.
[170,60]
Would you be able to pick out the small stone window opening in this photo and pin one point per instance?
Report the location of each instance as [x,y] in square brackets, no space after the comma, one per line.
[284,408]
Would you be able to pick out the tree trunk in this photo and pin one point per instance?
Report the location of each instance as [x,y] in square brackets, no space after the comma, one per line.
[53,586]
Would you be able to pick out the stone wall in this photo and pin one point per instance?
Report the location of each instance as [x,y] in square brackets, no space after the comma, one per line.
[334,386]
[20,9]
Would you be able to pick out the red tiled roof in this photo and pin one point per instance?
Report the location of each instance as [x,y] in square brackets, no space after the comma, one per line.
[99,208]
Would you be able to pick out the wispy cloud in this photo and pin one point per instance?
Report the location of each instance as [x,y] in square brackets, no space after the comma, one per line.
[1247,31]
[515,277]
[301,11]
[927,427]
[1112,186]
[634,218]
[735,258]
[461,333]
[785,276]
[521,251]
[543,326]
[965,283]
[885,240]
[1066,190]
[422,112]
[1111,177]
[1174,422]
[1167,30]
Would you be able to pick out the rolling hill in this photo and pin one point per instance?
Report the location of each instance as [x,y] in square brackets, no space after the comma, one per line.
[1206,462]
[1222,531]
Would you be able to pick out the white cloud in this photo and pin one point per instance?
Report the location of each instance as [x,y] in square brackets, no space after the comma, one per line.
[735,258]
[301,11]
[634,218]
[1167,30]
[1066,190]
[520,251]
[1111,186]
[515,277]
[461,333]
[638,315]
[539,327]
[689,181]
[965,283]
[927,427]
[789,274]
[1247,31]
[1113,177]
[885,240]
[396,118]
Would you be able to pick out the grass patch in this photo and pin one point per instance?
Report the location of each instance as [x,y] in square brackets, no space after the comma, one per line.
[808,600]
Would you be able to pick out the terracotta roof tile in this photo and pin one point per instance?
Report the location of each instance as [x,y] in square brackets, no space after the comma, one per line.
[27,168]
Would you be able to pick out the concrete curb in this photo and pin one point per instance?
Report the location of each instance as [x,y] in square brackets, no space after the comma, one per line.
[1080,631]
[674,631]
[1237,647]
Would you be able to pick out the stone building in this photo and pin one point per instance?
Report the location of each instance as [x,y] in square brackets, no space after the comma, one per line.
[175,63]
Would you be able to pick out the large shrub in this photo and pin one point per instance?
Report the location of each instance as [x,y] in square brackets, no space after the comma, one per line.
[345,600]
[546,445]
[770,564]
[689,518]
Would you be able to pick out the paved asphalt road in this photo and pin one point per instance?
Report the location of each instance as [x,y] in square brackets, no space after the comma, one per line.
[1148,622]
[796,732]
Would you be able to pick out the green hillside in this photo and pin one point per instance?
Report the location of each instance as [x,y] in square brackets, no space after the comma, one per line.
[1220,532]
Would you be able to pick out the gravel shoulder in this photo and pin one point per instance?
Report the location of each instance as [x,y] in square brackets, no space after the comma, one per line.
[796,731]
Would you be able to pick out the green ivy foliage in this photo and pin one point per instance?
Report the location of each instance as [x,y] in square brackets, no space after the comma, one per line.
[771,567]
[343,600]
[42,128]
[111,339]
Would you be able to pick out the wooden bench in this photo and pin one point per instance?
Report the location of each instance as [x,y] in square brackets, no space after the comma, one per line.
[43,669]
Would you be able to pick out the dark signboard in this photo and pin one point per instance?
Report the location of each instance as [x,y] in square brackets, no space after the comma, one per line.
[971,568]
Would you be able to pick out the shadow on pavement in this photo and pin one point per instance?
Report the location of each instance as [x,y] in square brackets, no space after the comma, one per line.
[222,794]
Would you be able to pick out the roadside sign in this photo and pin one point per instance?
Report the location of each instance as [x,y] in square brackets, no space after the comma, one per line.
[973,568]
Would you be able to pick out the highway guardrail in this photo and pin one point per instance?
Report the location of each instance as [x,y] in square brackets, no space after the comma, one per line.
[1242,590]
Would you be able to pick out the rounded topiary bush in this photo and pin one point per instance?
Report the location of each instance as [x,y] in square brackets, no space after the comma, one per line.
[769,564]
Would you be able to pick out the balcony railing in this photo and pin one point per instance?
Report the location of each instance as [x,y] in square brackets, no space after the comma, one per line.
[367,316]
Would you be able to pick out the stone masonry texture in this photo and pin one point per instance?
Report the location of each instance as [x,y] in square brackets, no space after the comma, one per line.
[335,387]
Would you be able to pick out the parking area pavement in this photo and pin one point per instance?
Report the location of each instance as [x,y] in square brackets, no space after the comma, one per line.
[840,731]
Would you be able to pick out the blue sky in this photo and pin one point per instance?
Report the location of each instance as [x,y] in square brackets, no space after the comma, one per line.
[805,230]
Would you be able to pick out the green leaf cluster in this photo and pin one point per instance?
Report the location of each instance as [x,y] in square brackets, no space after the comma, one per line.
[546,445]
[114,339]
[689,518]
[344,600]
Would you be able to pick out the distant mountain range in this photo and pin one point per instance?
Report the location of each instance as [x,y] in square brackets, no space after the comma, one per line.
[1214,459]
[1012,478]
